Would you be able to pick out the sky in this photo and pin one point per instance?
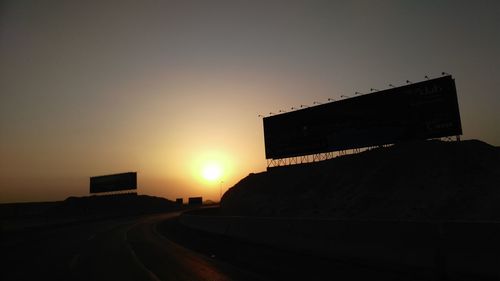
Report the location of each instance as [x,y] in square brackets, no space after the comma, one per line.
[167,88]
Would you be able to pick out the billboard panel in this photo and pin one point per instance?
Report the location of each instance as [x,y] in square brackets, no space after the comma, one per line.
[116,182]
[428,109]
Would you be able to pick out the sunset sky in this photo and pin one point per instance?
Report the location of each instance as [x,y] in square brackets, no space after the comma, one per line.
[167,88]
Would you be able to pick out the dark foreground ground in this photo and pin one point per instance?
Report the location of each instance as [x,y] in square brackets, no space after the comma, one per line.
[126,248]
[279,264]
[157,247]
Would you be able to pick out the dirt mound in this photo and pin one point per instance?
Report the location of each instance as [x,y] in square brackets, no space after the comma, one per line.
[417,180]
[89,206]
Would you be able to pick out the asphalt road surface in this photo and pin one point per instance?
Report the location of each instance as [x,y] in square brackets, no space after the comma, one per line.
[120,249]
[157,247]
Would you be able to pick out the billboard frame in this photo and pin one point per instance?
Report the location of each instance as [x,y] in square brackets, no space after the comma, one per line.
[422,110]
[113,182]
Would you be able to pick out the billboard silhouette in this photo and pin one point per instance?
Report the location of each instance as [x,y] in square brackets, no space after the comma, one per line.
[115,182]
[428,109]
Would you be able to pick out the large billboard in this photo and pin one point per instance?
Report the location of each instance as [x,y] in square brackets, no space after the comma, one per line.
[428,109]
[116,182]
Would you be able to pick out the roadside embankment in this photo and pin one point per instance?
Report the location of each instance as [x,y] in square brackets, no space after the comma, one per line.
[422,180]
[459,250]
[26,216]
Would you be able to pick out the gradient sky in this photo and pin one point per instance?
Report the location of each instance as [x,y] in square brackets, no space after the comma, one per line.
[165,87]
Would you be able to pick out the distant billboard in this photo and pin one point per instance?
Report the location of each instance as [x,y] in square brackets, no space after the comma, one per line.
[115,182]
[428,109]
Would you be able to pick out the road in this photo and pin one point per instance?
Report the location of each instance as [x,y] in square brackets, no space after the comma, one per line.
[120,249]
[133,249]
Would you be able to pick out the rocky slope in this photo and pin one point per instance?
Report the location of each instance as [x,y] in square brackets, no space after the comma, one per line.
[418,180]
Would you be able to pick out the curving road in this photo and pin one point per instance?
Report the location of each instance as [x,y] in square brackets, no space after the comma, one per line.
[120,249]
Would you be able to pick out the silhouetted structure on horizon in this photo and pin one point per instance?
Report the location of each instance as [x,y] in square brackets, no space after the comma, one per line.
[113,183]
[418,111]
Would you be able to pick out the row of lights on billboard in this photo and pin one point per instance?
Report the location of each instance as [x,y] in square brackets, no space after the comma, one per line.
[341,96]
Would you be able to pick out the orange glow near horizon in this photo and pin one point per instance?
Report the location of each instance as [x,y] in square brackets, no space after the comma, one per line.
[212,172]
[211,167]
[170,90]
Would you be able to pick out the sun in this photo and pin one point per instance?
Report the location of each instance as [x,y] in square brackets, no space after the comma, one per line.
[212,172]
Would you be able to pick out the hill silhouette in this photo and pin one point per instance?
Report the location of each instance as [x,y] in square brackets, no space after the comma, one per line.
[74,209]
[423,180]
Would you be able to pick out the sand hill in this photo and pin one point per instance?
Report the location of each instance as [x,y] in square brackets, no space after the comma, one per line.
[418,180]
[86,207]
